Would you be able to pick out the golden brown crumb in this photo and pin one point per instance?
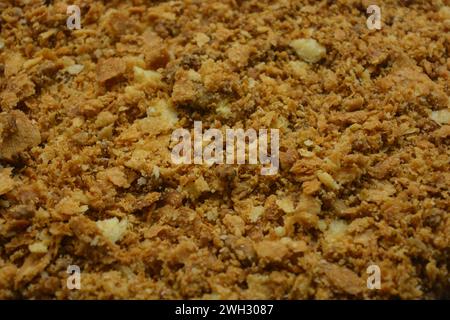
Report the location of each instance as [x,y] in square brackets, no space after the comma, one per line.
[86,176]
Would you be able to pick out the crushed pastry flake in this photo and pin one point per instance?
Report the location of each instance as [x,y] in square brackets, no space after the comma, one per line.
[224,109]
[104,119]
[337,228]
[112,228]
[6,182]
[146,76]
[165,111]
[156,172]
[327,180]
[235,224]
[17,133]
[38,247]
[286,205]
[441,116]
[271,250]
[110,68]
[256,213]
[309,49]
[280,231]
[201,185]
[117,177]
[201,39]
[75,69]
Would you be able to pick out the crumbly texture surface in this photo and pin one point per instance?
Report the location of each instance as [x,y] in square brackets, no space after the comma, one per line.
[86,176]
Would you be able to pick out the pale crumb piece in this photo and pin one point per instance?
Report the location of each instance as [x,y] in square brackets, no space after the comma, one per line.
[235,224]
[138,159]
[104,119]
[271,250]
[201,185]
[308,143]
[299,69]
[42,214]
[302,218]
[294,245]
[47,34]
[141,181]
[31,63]
[251,83]
[223,109]
[280,231]
[327,180]
[13,63]
[309,49]
[286,205]
[147,76]
[306,153]
[256,213]
[201,39]
[239,54]
[162,12]
[156,172]
[194,75]
[117,177]
[309,204]
[212,214]
[113,229]
[132,93]
[322,225]
[38,247]
[337,228]
[6,182]
[75,69]
[379,192]
[77,122]
[165,111]
[441,116]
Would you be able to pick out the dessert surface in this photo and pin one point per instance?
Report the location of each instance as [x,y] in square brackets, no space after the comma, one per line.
[87,180]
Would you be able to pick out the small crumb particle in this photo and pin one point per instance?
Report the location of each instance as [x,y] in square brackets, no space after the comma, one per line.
[155,172]
[280,231]
[256,213]
[146,76]
[75,69]
[104,119]
[327,180]
[286,205]
[112,228]
[38,247]
[309,49]
[201,39]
